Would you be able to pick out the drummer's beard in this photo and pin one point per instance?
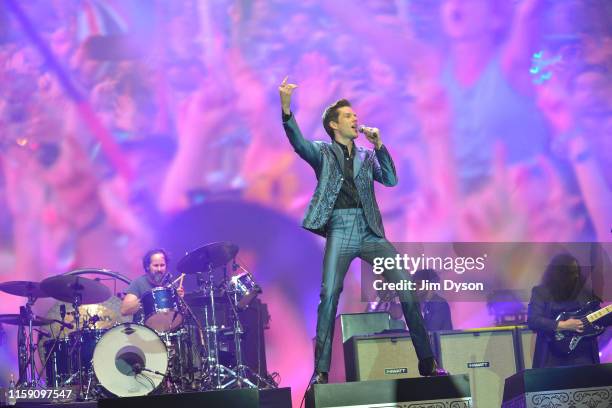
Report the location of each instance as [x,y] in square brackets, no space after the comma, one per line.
[157,278]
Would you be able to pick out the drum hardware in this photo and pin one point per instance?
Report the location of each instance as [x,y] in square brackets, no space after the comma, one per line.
[59,364]
[80,291]
[201,338]
[207,257]
[244,287]
[26,318]
[185,356]
[17,319]
[58,373]
[246,294]
[212,345]
[202,262]
[104,272]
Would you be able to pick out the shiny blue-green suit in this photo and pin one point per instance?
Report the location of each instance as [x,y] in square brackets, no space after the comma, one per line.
[350,233]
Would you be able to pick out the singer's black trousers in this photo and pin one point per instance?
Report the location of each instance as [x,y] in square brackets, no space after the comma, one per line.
[349,237]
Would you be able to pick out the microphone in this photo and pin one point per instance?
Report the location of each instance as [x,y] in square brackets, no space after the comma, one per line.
[42,333]
[64,324]
[367,130]
[63,311]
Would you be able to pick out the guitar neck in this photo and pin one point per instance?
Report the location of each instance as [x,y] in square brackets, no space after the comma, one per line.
[598,314]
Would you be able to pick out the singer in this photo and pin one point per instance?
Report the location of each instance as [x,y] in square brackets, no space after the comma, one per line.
[344,210]
[155,264]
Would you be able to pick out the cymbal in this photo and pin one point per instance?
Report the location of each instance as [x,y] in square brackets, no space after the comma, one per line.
[67,287]
[23,288]
[97,316]
[103,272]
[16,320]
[208,256]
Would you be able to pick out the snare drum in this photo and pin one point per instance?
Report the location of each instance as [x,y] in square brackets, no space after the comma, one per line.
[245,288]
[161,309]
[130,360]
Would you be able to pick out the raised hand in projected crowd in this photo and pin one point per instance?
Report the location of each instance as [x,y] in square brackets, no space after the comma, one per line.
[208,123]
[318,85]
[510,206]
[581,135]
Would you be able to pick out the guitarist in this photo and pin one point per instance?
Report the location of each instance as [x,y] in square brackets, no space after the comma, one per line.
[562,290]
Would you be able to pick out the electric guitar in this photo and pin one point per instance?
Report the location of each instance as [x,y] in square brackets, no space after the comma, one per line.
[565,341]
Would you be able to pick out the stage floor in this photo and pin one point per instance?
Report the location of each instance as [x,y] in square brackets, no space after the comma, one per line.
[243,398]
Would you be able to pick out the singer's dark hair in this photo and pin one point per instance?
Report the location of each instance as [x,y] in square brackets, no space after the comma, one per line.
[146,259]
[330,114]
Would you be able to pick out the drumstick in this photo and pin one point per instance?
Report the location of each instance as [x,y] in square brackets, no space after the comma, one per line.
[180,278]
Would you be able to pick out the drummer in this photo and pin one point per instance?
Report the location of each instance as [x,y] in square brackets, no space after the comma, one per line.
[155,264]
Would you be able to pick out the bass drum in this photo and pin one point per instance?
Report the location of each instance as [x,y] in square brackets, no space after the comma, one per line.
[130,360]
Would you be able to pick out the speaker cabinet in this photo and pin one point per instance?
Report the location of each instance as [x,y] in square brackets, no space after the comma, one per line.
[488,356]
[380,357]
[346,326]
[527,340]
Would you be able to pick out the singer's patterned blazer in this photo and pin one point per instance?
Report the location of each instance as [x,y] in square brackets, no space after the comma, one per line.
[326,159]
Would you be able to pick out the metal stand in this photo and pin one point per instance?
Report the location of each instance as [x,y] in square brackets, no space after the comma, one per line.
[25,346]
[79,340]
[218,371]
[200,335]
[243,371]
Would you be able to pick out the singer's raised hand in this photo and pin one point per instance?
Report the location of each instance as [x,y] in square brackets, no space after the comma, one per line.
[285,91]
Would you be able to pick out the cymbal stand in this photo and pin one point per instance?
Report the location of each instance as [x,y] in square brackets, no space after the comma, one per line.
[22,348]
[55,339]
[242,371]
[77,320]
[28,348]
[212,343]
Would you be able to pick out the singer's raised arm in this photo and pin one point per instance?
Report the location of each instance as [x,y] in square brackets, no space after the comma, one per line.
[306,149]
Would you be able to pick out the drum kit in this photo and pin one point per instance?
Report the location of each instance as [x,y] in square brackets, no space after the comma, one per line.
[175,347]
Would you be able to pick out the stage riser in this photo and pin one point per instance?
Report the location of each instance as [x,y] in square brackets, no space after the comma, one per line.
[576,398]
[561,387]
[243,398]
[438,392]
[451,403]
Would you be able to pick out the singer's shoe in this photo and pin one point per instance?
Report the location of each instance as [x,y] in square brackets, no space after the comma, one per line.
[319,378]
[429,368]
